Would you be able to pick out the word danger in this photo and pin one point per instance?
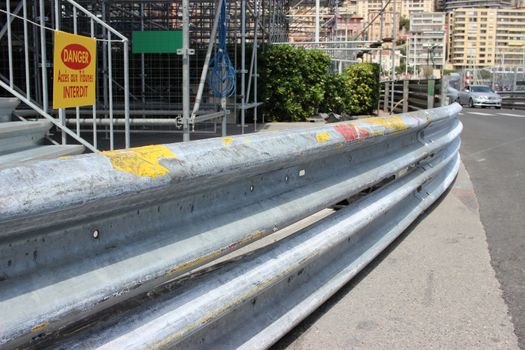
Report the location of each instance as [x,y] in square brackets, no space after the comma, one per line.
[75,56]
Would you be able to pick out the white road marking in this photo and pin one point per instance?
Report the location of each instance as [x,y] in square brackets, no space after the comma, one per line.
[496,147]
[512,115]
[480,113]
[461,113]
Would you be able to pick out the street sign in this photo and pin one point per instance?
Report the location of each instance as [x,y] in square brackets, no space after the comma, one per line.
[156,41]
[74,70]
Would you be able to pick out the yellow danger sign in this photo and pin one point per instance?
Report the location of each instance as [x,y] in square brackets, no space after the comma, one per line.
[74,70]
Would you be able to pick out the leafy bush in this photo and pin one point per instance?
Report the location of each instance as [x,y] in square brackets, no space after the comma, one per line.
[296,83]
[335,94]
[292,82]
[362,88]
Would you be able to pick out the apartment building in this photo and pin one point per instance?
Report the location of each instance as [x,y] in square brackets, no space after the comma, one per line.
[519,4]
[450,5]
[370,9]
[403,7]
[384,57]
[408,7]
[374,22]
[427,41]
[481,37]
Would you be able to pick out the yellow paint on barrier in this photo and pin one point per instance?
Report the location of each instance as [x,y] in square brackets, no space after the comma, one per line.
[39,327]
[227,140]
[161,344]
[141,161]
[194,263]
[393,123]
[322,137]
[215,254]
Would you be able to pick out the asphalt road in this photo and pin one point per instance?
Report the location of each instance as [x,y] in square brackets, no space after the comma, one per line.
[493,151]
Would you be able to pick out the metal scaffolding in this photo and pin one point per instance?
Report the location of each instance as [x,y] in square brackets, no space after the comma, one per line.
[172,85]
[156,79]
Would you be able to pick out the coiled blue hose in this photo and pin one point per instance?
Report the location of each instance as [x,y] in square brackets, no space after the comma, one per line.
[221,78]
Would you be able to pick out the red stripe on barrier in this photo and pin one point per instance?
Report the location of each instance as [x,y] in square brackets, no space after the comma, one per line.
[351,132]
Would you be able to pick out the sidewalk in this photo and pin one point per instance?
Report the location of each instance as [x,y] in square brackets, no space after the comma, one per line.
[434,288]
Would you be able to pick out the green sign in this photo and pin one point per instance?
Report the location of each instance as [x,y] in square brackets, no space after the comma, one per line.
[156,41]
[431,87]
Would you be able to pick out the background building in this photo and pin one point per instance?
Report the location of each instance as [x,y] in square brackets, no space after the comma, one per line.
[439,5]
[370,9]
[374,29]
[519,4]
[427,30]
[456,4]
[487,38]
[408,7]
[384,58]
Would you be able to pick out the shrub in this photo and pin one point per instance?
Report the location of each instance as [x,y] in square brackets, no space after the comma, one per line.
[296,83]
[335,94]
[292,82]
[362,88]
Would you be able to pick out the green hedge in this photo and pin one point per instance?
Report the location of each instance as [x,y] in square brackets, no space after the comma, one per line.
[296,83]
[362,88]
[292,82]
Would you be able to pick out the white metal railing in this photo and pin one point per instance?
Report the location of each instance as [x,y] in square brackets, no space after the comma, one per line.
[36,94]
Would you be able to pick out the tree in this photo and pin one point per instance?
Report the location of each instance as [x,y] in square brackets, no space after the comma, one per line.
[404,23]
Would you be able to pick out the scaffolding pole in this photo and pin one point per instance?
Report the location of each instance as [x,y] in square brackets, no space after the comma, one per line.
[255,47]
[317,20]
[243,65]
[393,55]
[381,26]
[205,67]
[185,70]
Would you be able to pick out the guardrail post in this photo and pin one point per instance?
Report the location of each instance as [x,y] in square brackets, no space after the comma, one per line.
[405,96]
[387,93]
[431,91]
[515,79]
[444,90]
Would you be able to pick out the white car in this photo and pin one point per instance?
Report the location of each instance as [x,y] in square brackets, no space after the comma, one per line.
[479,96]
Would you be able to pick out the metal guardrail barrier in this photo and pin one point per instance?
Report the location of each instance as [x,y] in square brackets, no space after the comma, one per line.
[7,106]
[512,99]
[97,237]
[21,135]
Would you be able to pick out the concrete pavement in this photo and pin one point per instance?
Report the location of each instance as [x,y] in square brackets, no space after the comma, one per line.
[434,288]
[493,152]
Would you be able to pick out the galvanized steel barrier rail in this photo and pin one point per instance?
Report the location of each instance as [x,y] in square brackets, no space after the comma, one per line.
[95,250]
[512,99]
